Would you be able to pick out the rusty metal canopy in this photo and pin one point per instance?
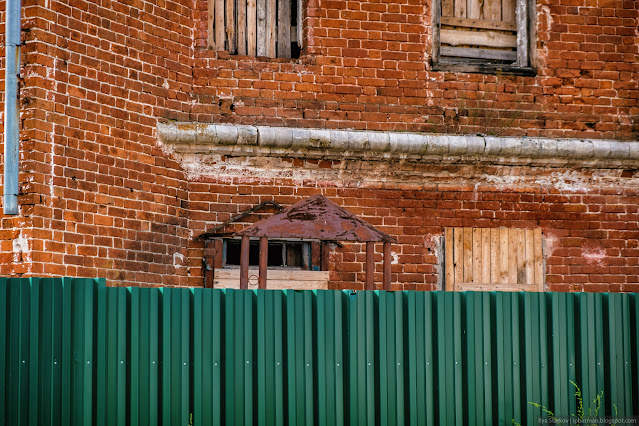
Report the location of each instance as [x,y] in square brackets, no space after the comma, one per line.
[318,218]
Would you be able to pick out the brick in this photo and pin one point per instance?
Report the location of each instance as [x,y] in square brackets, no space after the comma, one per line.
[92,98]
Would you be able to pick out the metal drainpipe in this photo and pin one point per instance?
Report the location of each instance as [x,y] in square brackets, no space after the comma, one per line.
[12,106]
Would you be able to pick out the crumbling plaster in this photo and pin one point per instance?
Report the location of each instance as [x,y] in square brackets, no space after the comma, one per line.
[391,159]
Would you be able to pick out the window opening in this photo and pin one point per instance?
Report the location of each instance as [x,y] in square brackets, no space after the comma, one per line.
[267,28]
[281,254]
[483,35]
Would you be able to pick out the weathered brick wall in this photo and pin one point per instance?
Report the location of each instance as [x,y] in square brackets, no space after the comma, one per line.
[100,197]
[367,67]
[589,219]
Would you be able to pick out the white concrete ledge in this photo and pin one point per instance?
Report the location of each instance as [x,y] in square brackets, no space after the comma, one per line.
[241,140]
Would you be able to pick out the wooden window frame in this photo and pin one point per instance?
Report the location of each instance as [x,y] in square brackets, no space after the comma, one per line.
[285,245]
[312,275]
[526,42]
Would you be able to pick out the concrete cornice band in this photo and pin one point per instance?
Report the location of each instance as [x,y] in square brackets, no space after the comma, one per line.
[238,140]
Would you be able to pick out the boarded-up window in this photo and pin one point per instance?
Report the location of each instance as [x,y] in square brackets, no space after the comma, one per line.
[269,28]
[483,31]
[493,259]
[277,279]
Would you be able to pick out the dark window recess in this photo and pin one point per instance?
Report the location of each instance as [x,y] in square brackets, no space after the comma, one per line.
[266,28]
[282,254]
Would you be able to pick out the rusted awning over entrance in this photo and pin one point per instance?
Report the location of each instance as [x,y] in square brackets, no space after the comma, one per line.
[316,218]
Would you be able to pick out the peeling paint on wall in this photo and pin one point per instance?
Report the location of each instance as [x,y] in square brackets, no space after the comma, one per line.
[20,245]
[21,252]
[595,256]
[567,181]
[551,242]
[434,243]
[367,174]
[178,260]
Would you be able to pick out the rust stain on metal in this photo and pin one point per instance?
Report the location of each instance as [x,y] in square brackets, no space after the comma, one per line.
[319,218]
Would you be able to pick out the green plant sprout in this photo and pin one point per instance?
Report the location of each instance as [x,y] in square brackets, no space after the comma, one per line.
[593,410]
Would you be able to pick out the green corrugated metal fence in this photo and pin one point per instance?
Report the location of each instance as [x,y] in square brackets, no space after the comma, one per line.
[77,352]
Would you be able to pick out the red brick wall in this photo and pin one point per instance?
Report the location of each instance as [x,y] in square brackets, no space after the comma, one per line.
[367,66]
[589,220]
[101,198]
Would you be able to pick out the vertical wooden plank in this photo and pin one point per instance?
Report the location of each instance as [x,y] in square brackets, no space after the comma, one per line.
[219,24]
[271,28]
[532,34]
[474,9]
[263,264]
[513,242]
[468,255]
[437,14]
[316,256]
[219,252]
[521,257]
[209,261]
[504,239]
[448,7]
[485,255]
[326,253]
[261,27]
[449,259]
[387,267]
[495,254]
[458,253]
[241,27]
[508,11]
[230,27]
[530,256]
[211,24]
[460,8]
[477,256]
[251,27]
[538,262]
[370,265]
[244,262]
[521,16]
[300,24]
[284,29]
[492,10]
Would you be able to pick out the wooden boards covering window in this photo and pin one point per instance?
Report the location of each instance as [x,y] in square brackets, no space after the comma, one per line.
[256,27]
[277,279]
[500,259]
[479,30]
